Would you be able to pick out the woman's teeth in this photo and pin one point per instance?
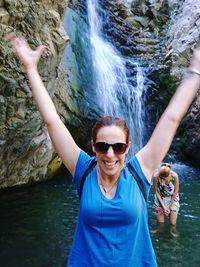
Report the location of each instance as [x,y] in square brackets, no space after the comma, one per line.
[110,163]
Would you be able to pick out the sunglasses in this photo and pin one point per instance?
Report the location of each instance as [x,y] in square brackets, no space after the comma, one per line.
[118,148]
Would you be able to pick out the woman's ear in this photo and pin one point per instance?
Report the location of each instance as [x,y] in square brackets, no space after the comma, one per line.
[128,147]
[93,148]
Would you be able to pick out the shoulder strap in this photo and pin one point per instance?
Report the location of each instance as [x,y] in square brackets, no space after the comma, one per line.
[87,171]
[137,179]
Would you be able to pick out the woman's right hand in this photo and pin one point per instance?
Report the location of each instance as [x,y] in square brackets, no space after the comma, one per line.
[26,55]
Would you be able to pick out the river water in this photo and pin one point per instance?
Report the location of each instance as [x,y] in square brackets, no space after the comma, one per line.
[37,224]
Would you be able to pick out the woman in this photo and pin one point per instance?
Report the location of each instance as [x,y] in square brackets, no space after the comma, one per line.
[112,227]
[166,187]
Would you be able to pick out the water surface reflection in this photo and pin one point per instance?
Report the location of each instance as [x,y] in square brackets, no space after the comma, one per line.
[37,225]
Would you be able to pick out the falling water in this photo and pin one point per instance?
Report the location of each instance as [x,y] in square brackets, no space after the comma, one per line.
[119,92]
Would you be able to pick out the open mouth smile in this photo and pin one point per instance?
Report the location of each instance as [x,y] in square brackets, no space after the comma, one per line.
[110,164]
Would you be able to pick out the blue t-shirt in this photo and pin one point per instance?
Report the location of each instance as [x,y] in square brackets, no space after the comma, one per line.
[111,232]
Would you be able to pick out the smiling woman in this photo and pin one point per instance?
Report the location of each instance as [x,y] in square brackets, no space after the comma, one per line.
[107,210]
[112,228]
[110,160]
[111,144]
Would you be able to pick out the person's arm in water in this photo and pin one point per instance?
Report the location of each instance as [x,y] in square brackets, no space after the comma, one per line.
[155,182]
[62,139]
[158,145]
[176,185]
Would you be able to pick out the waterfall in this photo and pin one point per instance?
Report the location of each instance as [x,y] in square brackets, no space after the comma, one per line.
[120,90]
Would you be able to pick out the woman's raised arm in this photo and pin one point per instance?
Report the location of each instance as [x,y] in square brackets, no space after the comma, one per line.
[158,145]
[64,144]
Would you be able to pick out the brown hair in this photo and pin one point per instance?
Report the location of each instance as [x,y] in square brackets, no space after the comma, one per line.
[164,171]
[108,121]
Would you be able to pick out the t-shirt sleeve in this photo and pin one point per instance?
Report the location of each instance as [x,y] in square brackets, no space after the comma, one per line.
[81,166]
[146,184]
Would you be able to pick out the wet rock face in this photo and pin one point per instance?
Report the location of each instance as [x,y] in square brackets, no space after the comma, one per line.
[191,134]
[25,148]
[184,36]
[137,27]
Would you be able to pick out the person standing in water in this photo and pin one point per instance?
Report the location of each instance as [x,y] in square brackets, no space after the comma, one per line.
[166,188]
[112,228]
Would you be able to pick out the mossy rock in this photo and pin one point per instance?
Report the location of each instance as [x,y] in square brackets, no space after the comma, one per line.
[54,166]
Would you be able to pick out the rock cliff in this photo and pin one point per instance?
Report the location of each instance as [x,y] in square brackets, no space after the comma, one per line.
[25,148]
[184,36]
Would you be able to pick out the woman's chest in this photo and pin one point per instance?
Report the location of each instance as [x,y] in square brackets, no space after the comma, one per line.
[124,208]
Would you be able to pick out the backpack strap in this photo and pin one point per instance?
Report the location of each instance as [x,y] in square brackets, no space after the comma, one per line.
[87,171]
[137,179]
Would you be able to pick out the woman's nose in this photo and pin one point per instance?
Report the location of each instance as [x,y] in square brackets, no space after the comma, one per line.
[110,152]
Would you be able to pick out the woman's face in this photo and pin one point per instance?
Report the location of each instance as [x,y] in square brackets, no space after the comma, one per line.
[111,163]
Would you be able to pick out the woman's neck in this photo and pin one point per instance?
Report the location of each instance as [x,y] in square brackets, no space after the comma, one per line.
[107,179]
[108,184]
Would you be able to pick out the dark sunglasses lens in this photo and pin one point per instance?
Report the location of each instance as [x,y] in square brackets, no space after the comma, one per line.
[119,148]
[101,147]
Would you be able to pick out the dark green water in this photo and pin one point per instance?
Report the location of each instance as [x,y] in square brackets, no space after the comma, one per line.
[37,225]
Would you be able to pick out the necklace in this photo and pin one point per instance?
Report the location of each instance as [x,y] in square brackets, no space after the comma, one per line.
[104,187]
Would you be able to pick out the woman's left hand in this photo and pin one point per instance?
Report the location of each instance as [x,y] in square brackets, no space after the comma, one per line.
[167,211]
[27,56]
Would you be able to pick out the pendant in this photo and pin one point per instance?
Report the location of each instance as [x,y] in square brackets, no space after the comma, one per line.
[103,188]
